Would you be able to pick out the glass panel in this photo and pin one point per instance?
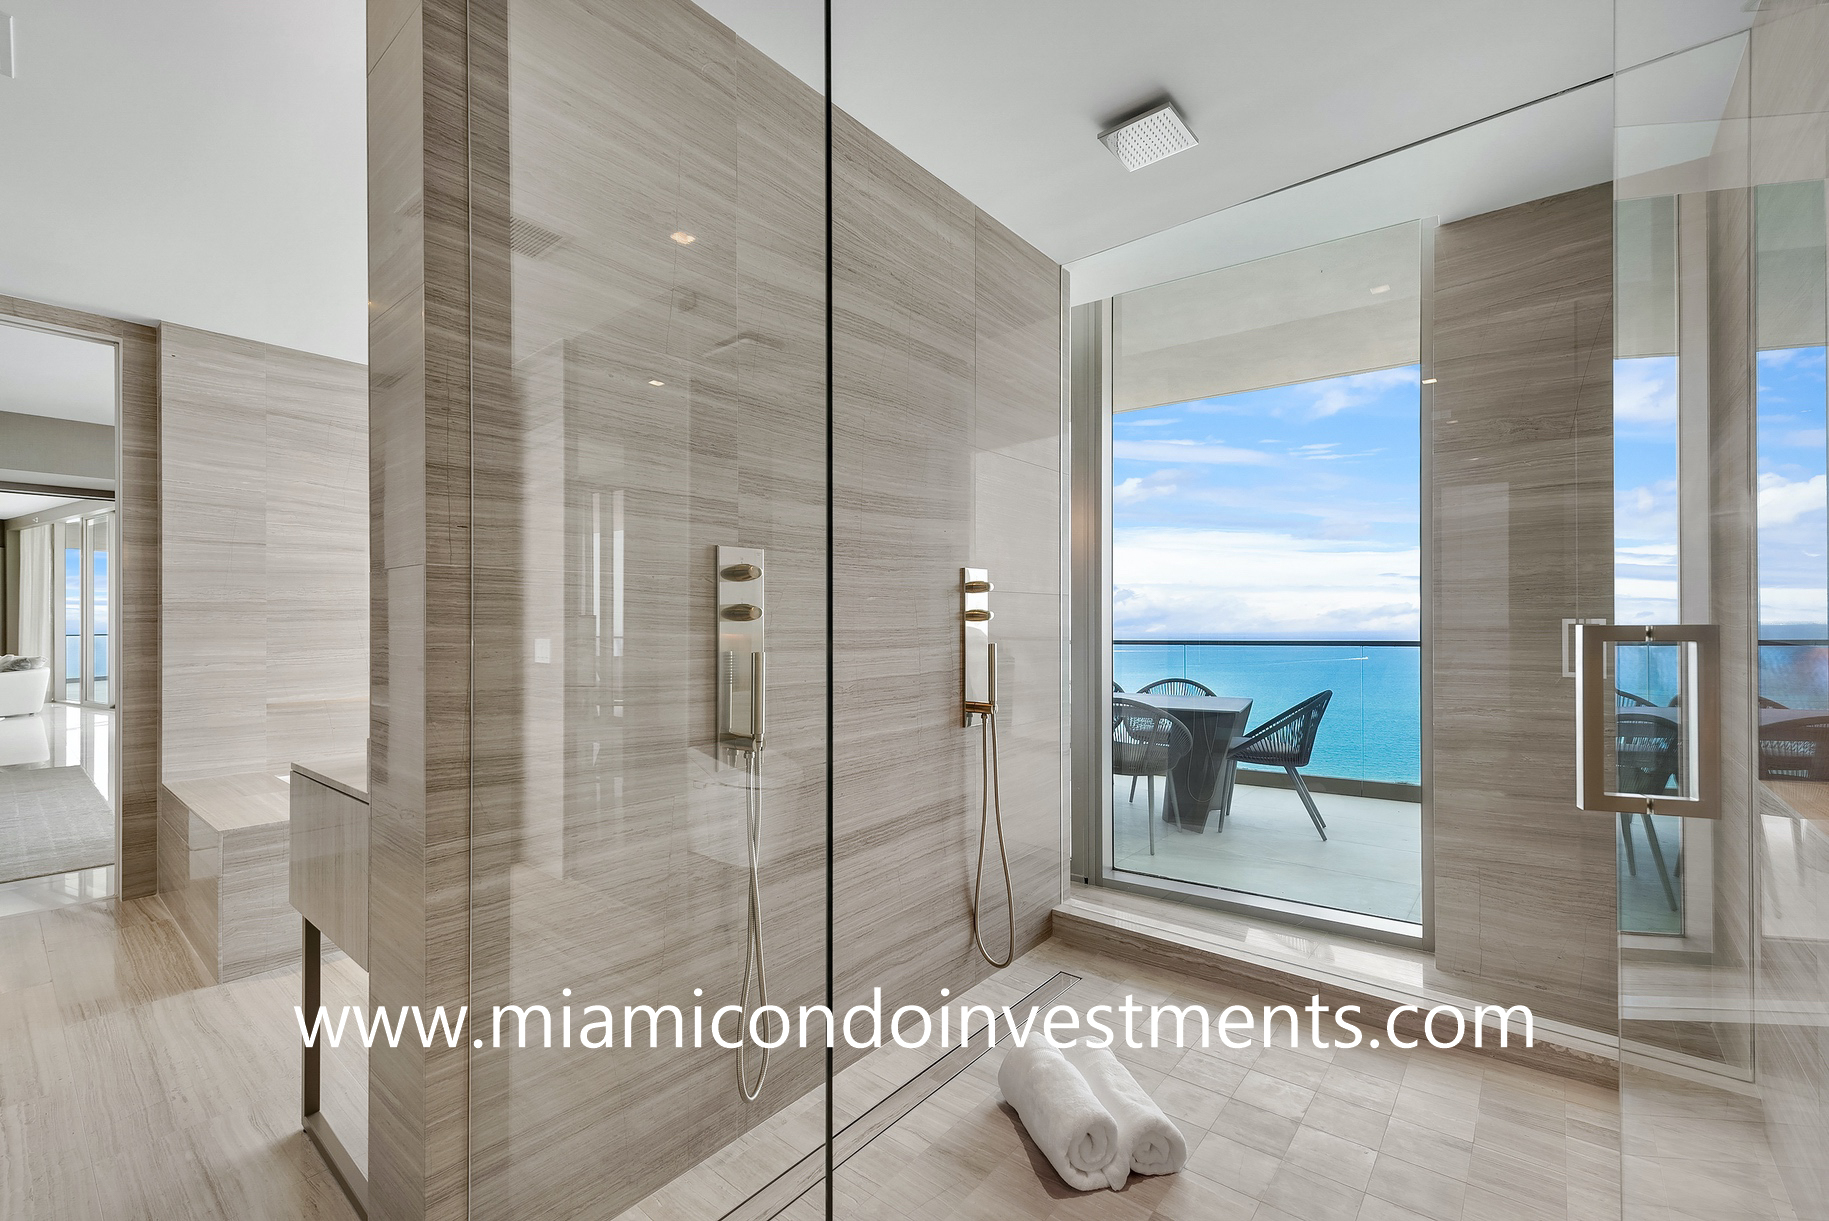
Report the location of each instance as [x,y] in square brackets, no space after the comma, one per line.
[650,238]
[1730,132]
[100,533]
[1267,531]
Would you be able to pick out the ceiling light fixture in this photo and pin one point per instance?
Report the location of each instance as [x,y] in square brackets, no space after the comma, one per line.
[1382,288]
[684,238]
[1430,381]
[1149,137]
[653,382]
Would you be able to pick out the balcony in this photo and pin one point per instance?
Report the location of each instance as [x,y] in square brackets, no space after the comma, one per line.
[1365,777]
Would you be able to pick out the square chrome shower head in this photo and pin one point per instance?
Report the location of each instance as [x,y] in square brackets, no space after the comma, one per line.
[1149,137]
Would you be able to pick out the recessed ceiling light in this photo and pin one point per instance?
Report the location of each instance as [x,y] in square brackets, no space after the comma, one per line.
[1382,288]
[1149,137]
[1430,381]
[654,382]
[684,238]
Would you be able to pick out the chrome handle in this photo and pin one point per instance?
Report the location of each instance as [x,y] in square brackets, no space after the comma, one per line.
[1697,719]
[758,698]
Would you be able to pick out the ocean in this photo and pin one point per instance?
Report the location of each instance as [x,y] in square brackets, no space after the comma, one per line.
[1373,726]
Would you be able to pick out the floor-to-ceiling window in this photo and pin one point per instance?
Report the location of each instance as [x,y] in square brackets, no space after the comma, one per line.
[1265,559]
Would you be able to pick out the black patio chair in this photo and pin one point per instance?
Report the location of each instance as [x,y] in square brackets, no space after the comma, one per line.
[1169,686]
[1287,740]
[1176,686]
[1148,742]
[1795,750]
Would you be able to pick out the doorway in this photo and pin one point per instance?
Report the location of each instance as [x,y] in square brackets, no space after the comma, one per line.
[59,754]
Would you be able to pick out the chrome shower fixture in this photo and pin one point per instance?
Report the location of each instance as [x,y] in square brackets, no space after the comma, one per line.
[742,647]
[742,731]
[979,690]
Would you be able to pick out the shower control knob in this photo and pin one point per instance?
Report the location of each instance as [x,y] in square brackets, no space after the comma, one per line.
[979,587]
[743,612]
[978,616]
[741,572]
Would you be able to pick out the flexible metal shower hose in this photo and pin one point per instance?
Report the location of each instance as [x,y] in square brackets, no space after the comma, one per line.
[755,970]
[993,803]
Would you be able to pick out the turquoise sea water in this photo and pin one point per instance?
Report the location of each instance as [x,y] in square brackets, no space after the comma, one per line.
[1373,726]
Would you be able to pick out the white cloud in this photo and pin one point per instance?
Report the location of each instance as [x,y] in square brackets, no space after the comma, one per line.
[1782,501]
[1187,452]
[1137,489]
[1201,582]
[1644,392]
[1340,393]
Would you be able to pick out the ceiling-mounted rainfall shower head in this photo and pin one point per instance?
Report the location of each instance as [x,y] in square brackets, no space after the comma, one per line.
[1149,137]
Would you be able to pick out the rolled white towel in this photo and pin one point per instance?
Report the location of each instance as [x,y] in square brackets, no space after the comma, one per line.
[1063,1117]
[1148,1141]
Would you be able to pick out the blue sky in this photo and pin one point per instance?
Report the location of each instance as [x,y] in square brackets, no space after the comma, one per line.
[1793,528]
[1283,512]
[1645,490]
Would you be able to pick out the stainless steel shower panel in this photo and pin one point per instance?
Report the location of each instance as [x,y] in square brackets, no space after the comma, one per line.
[742,643]
[980,675]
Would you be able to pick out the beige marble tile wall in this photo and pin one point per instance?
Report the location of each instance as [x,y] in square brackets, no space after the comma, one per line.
[265,555]
[137,567]
[663,397]
[607,850]
[948,420]
[1523,538]
[419,683]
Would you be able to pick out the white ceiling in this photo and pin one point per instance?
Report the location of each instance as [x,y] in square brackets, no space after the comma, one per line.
[45,373]
[202,161]
[192,161]
[1004,100]
[22,504]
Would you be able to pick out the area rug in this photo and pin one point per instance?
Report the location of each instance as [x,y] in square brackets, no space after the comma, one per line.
[52,820]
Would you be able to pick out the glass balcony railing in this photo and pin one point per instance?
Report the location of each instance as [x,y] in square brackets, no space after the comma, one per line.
[1373,727]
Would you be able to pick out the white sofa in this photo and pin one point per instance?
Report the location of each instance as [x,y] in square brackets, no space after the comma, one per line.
[22,692]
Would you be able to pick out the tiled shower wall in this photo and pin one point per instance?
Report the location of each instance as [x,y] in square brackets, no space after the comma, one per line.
[1522,424]
[639,400]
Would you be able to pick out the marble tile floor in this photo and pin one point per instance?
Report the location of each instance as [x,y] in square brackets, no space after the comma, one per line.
[1370,863]
[1357,1134]
[130,1087]
[63,735]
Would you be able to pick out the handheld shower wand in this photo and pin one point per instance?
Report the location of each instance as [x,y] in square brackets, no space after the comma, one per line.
[980,699]
[743,723]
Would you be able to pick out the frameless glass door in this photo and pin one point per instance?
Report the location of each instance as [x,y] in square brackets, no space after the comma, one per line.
[1722,289]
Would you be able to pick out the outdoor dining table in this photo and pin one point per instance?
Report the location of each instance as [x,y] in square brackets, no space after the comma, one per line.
[1203,779]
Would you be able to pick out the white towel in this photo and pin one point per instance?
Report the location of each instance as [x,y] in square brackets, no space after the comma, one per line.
[1063,1118]
[1148,1141]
